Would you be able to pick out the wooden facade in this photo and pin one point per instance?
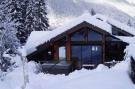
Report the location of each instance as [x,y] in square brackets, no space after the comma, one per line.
[94,40]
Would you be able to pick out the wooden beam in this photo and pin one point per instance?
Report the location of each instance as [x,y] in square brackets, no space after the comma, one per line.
[55,52]
[68,49]
[103,48]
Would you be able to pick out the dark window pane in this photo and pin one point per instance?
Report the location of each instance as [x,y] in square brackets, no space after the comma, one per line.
[80,35]
[86,54]
[94,36]
[96,54]
[76,53]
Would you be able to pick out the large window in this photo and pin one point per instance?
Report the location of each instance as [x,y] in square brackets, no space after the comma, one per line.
[80,35]
[96,54]
[94,36]
[76,53]
[87,54]
[85,34]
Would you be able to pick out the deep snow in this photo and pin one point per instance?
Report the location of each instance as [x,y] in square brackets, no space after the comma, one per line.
[100,78]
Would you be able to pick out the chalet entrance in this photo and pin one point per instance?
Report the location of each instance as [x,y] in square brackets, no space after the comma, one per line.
[87,54]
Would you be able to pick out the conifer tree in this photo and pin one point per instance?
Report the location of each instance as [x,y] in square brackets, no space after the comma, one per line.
[29,15]
[8,40]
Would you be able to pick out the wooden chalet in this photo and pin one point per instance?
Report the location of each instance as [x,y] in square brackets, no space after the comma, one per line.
[83,44]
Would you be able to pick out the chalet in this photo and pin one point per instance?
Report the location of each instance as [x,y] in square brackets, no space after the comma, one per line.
[85,41]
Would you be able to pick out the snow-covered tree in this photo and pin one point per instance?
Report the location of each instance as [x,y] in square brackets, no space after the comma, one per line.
[9,43]
[8,40]
[30,15]
[36,18]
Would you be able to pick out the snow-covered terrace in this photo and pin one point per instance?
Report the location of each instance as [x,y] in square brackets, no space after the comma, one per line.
[104,22]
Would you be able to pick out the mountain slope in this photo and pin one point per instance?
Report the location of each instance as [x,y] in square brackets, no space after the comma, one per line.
[61,11]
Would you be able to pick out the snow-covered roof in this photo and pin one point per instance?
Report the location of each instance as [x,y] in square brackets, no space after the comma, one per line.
[39,37]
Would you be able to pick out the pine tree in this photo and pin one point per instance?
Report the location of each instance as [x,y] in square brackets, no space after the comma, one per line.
[38,16]
[8,40]
[30,15]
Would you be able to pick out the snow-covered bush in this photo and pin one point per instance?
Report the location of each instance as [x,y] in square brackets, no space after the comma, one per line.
[34,67]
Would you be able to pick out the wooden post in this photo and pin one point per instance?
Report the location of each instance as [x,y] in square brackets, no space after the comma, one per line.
[68,51]
[55,52]
[68,48]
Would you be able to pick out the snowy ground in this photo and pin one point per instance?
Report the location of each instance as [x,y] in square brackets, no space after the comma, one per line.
[100,78]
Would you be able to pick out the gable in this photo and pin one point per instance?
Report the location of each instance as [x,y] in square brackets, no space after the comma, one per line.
[80,26]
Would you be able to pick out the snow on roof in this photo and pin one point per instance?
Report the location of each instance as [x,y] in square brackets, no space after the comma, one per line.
[121,26]
[36,38]
[39,37]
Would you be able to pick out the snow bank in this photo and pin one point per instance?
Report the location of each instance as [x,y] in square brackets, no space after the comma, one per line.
[114,78]
[123,65]
[101,67]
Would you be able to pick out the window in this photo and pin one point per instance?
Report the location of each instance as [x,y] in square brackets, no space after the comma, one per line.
[62,53]
[94,36]
[80,35]
[76,53]
[87,54]
[96,55]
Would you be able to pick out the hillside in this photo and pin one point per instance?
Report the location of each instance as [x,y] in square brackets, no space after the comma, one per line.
[61,11]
